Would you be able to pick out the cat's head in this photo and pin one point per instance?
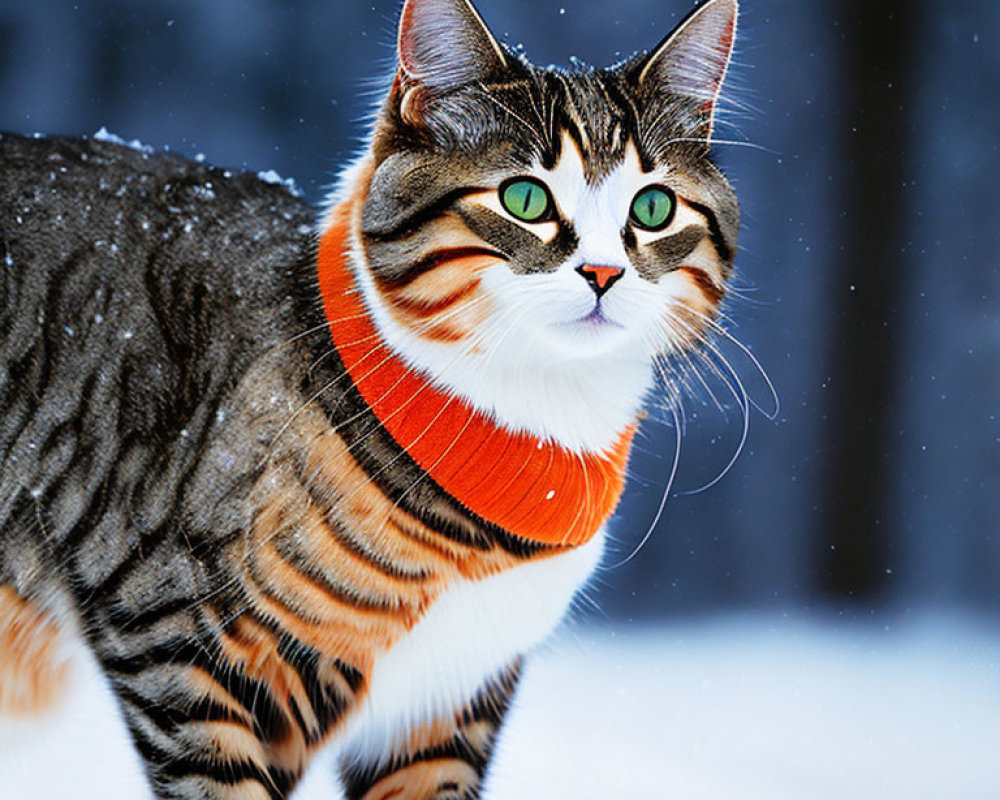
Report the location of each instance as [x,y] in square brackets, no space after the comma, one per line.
[531,239]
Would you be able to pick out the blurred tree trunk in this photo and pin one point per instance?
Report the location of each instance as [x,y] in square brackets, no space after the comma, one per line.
[879,40]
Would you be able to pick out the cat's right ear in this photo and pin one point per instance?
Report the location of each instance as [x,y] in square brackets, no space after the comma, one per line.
[443,45]
[691,63]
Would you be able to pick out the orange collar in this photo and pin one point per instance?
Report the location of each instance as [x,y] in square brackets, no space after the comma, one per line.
[534,489]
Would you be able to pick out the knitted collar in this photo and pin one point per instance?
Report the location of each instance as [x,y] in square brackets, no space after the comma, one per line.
[535,489]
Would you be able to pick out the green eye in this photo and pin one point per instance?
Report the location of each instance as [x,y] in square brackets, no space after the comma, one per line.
[526,199]
[653,208]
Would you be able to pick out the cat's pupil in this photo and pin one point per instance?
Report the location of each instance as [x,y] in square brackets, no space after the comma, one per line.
[527,200]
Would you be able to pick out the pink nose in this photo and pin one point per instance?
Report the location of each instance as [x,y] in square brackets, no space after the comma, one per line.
[600,278]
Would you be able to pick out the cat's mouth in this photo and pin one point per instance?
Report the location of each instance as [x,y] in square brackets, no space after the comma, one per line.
[595,320]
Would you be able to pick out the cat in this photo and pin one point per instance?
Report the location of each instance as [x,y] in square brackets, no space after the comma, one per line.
[295,485]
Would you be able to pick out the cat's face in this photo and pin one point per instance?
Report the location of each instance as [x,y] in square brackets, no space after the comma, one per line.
[533,240]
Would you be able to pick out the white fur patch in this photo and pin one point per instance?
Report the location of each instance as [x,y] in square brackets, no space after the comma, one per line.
[466,637]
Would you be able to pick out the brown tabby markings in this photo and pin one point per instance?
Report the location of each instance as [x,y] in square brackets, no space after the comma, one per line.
[32,676]
[713,294]
[300,559]
[431,778]
[425,777]
[439,299]
[228,683]
[249,647]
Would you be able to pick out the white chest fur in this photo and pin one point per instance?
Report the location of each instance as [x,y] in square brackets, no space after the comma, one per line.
[469,635]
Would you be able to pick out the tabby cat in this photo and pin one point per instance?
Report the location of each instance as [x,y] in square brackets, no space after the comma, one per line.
[295,485]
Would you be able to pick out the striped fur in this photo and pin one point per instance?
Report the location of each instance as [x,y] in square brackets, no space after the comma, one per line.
[203,474]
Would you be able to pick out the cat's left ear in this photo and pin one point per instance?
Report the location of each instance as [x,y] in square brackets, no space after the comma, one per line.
[691,63]
[444,44]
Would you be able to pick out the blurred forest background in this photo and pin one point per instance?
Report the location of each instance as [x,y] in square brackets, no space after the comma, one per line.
[868,283]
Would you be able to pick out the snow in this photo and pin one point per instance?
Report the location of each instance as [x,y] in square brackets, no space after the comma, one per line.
[270,176]
[104,135]
[741,708]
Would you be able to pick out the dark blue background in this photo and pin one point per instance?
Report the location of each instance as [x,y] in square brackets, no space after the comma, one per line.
[868,280]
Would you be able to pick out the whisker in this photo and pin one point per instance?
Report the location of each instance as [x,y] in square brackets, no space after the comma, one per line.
[726,142]
[663,499]
[740,396]
[773,415]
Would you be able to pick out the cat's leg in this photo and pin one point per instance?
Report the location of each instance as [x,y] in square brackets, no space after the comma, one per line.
[33,664]
[437,759]
[222,711]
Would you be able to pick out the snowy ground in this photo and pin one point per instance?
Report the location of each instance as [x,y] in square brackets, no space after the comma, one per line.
[735,709]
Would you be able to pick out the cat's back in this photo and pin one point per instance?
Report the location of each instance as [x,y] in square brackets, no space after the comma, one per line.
[137,288]
[81,219]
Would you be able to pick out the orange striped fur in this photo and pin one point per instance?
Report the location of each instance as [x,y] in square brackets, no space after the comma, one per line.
[33,674]
[314,505]
[443,301]
[425,780]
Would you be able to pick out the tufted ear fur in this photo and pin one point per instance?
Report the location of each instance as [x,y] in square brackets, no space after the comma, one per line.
[691,62]
[444,44]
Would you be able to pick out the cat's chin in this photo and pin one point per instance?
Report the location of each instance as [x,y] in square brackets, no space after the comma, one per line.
[594,336]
